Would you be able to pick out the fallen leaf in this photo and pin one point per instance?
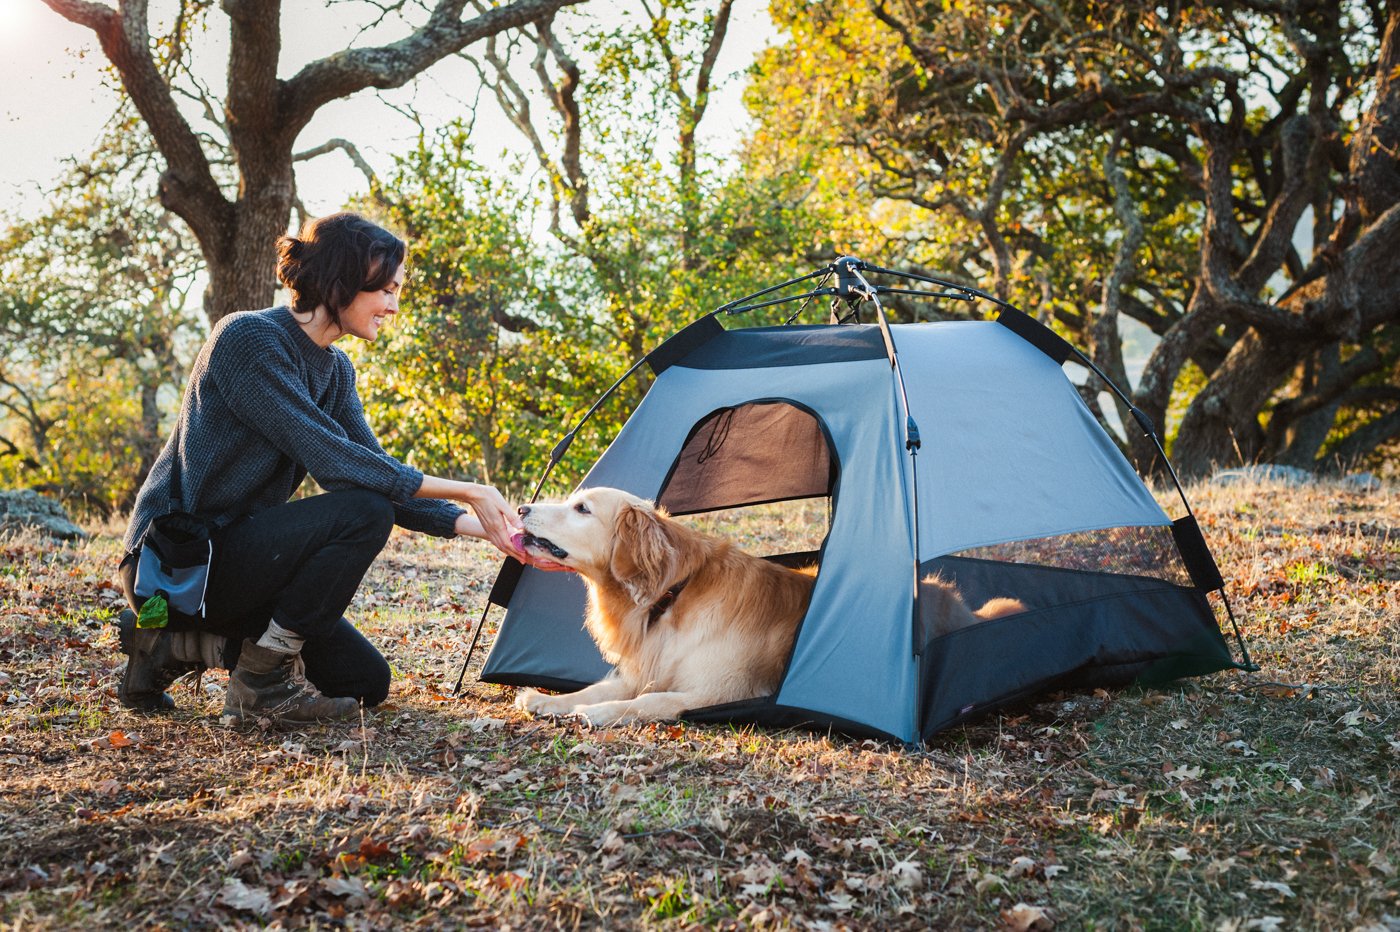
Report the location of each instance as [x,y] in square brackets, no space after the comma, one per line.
[1265,924]
[116,740]
[344,886]
[907,875]
[236,894]
[1026,918]
[371,850]
[1023,866]
[1282,889]
[797,854]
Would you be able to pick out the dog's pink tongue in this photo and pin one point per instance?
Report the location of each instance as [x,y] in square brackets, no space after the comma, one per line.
[518,541]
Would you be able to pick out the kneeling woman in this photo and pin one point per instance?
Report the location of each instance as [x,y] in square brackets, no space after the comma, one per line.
[269,400]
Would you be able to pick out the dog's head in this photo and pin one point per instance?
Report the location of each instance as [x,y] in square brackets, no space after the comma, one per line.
[606,535]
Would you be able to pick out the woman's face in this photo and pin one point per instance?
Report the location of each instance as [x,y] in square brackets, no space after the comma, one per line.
[370,308]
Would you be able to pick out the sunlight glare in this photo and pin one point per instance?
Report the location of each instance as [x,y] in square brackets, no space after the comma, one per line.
[16,17]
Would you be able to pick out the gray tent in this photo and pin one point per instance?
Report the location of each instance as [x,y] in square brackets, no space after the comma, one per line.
[956,447]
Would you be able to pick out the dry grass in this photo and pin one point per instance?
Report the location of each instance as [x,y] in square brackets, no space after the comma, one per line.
[1233,802]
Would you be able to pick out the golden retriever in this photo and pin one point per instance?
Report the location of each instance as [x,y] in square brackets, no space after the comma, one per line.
[687,619]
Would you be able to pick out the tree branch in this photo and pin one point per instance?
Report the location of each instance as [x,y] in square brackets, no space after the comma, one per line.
[187,188]
[397,63]
[346,146]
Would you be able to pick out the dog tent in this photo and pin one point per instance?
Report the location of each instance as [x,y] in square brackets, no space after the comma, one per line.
[959,448]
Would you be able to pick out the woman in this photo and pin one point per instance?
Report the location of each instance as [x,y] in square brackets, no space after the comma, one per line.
[271,399]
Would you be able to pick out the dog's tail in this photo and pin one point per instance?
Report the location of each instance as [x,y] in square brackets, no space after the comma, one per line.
[1000,607]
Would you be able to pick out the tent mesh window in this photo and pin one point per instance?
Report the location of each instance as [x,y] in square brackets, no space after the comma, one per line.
[1135,551]
[1048,573]
[751,472]
[751,454]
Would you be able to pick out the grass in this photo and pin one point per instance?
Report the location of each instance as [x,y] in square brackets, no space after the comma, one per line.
[1230,802]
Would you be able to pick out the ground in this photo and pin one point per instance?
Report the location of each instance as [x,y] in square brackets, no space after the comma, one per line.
[1235,801]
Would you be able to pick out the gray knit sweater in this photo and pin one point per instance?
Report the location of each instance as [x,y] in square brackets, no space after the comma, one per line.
[264,406]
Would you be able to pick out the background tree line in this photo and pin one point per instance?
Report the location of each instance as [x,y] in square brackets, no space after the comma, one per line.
[1212,186]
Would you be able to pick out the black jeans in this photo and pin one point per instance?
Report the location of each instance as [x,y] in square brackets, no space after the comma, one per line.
[300,565]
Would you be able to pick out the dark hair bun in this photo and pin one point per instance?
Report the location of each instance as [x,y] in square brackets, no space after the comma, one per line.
[334,259]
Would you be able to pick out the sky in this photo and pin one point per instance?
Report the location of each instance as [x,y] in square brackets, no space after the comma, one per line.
[55,98]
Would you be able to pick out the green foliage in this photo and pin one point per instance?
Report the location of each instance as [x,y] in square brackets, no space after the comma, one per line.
[479,371]
[95,328]
[510,331]
[1092,162]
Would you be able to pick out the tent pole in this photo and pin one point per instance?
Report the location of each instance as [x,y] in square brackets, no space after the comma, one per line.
[856,289]
[480,624]
[733,306]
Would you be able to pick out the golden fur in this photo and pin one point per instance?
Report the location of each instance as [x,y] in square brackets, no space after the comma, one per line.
[725,637]
[951,614]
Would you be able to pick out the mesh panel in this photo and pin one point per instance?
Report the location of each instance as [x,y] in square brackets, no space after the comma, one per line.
[1125,551]
[1012,583]
[750,454]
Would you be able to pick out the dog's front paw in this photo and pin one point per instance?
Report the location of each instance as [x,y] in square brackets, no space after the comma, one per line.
[537,703]
[601,715]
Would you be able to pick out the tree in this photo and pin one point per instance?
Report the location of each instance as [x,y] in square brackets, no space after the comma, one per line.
[1224,174]
[93,313]
[662,232]
[233,183]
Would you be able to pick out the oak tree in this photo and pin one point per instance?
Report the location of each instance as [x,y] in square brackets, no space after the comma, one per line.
[1224,174]
[233,183]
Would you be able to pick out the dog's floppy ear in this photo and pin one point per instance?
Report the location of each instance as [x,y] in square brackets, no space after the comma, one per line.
[643,557]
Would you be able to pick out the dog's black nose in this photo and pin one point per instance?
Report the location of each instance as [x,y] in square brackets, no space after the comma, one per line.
[523,510]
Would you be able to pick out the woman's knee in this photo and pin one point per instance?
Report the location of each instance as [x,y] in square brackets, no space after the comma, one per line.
[376,683]
[345,663]
[367,511]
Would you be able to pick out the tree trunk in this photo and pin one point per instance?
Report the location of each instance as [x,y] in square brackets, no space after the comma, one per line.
[242,268]
[1221,427]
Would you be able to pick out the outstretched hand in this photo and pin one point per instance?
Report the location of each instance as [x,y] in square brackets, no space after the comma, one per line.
[497,521]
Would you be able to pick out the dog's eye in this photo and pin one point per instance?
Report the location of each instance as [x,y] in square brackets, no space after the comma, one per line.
[582,509]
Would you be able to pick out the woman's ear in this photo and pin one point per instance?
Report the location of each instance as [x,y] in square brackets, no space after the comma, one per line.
[643,557]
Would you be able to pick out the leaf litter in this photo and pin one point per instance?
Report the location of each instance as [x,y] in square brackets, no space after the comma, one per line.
[1231,802]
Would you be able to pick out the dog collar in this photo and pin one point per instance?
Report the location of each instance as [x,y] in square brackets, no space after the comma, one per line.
[668,598]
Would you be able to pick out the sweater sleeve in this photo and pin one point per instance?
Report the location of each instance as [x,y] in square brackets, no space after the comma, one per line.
[426,515]
[260,383]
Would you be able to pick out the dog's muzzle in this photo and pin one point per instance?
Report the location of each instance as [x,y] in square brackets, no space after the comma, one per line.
[554,550]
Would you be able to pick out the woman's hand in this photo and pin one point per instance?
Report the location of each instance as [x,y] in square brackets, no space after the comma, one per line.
[469,526]
[491,519]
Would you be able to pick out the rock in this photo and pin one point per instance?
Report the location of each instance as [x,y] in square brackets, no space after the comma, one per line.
[1264,472]
[1292,475]
[24,509]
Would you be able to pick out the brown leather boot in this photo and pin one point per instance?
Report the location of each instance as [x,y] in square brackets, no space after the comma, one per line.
[271,684]
[150,666]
